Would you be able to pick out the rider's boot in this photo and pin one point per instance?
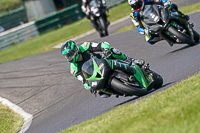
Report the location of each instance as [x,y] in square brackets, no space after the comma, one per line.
[139,62]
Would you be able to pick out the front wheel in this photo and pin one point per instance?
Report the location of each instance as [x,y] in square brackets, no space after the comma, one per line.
[127,89]
[196,36]
[182,37]
[104,30]
[158,80]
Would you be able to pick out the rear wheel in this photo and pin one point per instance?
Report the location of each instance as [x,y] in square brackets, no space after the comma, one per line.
[183,37]
[127,89]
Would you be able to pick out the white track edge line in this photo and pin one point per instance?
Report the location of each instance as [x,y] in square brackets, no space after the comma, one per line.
[27,117]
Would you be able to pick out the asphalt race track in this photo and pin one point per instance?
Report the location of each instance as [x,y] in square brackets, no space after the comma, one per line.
[42,85]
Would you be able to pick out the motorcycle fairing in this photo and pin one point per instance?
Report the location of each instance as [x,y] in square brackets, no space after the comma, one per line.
[95,6]
[140,77]
[97,75]
[154,16]
[95,70]
[151,14]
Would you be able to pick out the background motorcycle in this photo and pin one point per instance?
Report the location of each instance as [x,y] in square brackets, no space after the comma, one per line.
[170,26]
[99,17]
[100,76]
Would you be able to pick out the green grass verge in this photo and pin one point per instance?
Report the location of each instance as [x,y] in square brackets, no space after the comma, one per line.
[185,10]
[10,122]
[175,110]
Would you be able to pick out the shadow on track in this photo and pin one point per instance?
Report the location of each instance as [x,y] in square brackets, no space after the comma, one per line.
[132,99]
[150,93]
[182,48]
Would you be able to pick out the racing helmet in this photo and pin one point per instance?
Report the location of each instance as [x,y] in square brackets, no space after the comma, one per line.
[70,51]
[137,5]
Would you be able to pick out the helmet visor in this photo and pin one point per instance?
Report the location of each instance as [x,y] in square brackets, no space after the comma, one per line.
[137,5]
[70,55]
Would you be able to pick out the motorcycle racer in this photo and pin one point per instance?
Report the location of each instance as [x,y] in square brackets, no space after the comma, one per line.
[136,16]
[85,7]
[77,56]
[86,10]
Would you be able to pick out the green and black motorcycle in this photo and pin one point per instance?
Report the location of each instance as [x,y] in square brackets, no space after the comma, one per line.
[101,75]
[170,26]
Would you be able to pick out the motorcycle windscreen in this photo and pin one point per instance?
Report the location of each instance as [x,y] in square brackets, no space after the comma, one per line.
[165,14]
[93,4]
[95,8]
[95,70]
[144,80]
[151,14]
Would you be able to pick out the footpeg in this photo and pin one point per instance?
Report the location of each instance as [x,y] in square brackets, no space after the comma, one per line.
[131,78]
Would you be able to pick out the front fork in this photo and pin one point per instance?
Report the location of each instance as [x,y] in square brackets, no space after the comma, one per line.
[188,27]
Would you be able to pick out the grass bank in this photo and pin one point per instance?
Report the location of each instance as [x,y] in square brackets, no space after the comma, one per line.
[175,110]
[10,122]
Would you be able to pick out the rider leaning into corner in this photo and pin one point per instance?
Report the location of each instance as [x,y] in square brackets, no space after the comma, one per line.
[77,56]
[86,10]
[139,5]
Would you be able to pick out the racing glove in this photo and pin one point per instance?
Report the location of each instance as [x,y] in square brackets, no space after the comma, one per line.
[107,52]
[167,4]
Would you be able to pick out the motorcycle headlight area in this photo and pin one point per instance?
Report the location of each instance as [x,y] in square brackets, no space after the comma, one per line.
[93,84]
[95,11]
[96,85]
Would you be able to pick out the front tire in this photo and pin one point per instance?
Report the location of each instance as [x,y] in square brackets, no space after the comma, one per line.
[104,30]
[184,38]
[126,89]
[158,80]
[196,36]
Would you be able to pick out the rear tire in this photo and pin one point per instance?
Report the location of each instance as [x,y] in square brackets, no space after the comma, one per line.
[126,89]
[184,38]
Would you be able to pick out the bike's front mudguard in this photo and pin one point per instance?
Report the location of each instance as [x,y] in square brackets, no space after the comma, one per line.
[142,77]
